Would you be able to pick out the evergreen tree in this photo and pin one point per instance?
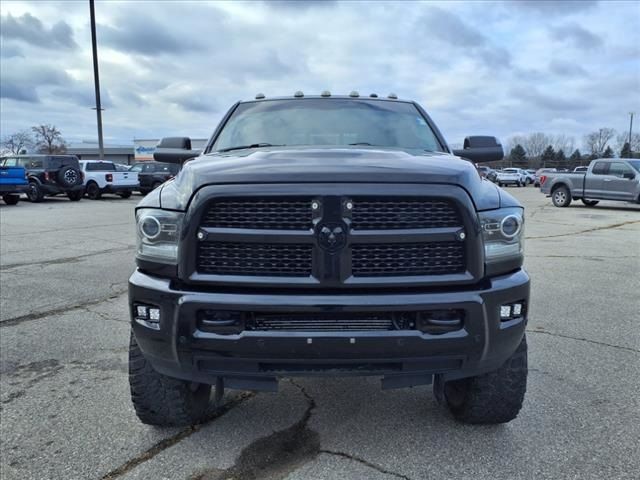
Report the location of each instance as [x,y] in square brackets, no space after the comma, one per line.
[518,157]
[626,151]
[548,157]
[608,153]
[561,160]
[575,160]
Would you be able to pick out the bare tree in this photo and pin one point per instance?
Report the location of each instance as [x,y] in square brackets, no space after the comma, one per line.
[596,142]
[623,138]
[563,142]
[17,142]
[49,139]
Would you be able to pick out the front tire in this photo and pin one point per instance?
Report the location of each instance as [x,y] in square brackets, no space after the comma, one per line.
[494,397]
[161,400]
[561,197]
[34,192]
[590,203]
[93,191]
[75,195]
[11,198]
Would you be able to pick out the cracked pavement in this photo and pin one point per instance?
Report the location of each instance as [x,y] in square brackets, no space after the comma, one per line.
[64,400]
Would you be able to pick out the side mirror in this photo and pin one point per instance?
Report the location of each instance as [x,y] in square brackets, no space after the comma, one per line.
[480,149]
[629,175]
[174,150]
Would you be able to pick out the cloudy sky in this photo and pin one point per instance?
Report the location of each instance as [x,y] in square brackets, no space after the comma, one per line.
[167,68]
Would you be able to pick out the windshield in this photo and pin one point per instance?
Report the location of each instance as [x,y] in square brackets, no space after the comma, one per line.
[635,164]
[332,122]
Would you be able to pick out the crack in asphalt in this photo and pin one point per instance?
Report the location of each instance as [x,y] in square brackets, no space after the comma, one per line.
[10,322]
[275,456]
[373,466]
[595,229]
[168,442]
[603,344]
[62,261]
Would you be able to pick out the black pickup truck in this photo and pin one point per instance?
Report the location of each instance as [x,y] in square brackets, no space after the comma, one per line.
[328,235]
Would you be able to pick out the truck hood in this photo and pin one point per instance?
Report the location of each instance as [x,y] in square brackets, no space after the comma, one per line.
[327,165]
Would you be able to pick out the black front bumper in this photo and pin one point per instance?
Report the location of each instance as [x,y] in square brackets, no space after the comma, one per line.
[255,359]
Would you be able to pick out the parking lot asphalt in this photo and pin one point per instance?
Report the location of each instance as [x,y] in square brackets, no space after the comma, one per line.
[64,397]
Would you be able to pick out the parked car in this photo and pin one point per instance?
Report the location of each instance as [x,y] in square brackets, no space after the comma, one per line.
[605,179]
[153,174]
[122,167]
[540,171]
[484,171]
[525,177]
[13,181]
[102,177]
[50,175]
[509,176]
[268,260]
[581,169]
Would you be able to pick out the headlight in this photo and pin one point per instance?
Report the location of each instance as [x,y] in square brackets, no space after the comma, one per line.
[503,234]
[158,233]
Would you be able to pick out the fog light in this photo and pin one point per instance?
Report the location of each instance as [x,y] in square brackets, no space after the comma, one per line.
[141,311]
[154,314]
[517,309]
[505,311]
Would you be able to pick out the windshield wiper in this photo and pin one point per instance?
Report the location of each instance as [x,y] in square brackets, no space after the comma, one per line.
[365,143]
[253,145]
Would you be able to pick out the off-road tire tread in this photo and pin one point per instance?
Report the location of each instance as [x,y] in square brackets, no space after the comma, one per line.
[495,397]
[161,400]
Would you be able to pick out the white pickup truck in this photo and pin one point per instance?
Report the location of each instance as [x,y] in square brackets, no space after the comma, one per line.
[103,177]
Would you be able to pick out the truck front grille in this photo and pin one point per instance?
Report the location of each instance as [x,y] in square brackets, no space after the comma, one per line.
[322,322]
[262,214]
[382,240]
[370,213]
[384,260]
[266,260]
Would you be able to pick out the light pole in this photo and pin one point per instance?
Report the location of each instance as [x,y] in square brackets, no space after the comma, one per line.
[630,126]
[96,77]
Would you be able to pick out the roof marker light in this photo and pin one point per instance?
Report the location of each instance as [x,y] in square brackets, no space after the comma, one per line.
[374,95]
[354,94]
[298,94]
[259,96]
[325,93]
[393,96]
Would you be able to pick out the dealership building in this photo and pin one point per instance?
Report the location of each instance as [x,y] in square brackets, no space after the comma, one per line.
[141,150]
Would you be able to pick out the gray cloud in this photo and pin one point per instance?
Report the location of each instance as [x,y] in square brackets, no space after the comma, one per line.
[146,36]
[9,50]
[21,80]
[299,4]
[552,7]
[31,30]
[577,35]
[566,69]
[549,102]
[447,27]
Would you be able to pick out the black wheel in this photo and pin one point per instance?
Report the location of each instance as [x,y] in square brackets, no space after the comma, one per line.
[34,192]
[162,400]
[75,195]
[125,194]
[590,203]
[561,196]
[494,397]
[11,198]
[519,184]
[69,177]
[93,191]
[500,184]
